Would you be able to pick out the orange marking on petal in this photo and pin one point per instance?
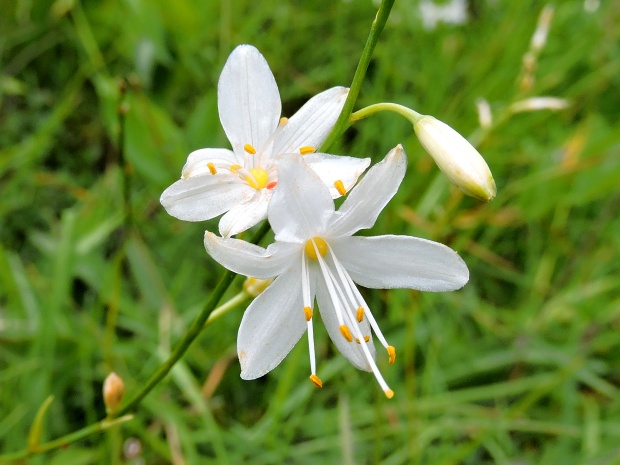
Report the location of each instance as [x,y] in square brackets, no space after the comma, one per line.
[271,185]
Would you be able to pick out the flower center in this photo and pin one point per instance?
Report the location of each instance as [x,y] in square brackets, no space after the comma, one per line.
[321,246]
[259,178]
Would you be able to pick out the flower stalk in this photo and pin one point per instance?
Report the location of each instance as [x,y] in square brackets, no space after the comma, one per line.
[342,123]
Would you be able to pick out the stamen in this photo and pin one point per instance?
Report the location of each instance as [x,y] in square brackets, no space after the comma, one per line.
[391,354]
[318,383]
[235,167]
[346,332]
[339,185]
[306,150]
[211,167]
[321,245]
[360,314]
[283,121]
[308,312]
[248,148]
[389,393]
[271,185]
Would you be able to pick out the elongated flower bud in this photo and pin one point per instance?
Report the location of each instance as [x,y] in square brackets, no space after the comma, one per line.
[456,157]
[113,391]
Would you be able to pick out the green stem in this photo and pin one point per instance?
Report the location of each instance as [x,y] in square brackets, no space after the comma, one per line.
[225,308]
[373,37]
[411,115]
[65,440]
[192,333]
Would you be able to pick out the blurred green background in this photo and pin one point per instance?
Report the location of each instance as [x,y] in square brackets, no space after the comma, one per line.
[520,367]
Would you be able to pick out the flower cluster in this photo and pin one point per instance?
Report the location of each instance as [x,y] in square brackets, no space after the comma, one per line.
[273,171]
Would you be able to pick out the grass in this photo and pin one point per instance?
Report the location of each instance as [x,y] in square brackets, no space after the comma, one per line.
[521,366]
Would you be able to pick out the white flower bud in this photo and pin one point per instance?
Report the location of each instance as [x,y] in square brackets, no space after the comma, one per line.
[456,157]
[254,286]
[113,391]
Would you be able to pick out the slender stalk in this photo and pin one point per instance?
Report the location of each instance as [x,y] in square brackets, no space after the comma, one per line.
[65,440]
[373,37]
[402,110]
[191,334]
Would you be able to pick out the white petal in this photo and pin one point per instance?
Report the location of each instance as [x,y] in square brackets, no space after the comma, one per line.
[366,200]
[331,168]
[351,350]
[386,262]
[271,325]
[200,198]
[249,259]
[301,206]
[248,99]
[313,122]
[245,215]
[196,163]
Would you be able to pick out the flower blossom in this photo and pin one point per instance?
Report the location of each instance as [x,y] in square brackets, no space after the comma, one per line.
[240,182]
[315,255]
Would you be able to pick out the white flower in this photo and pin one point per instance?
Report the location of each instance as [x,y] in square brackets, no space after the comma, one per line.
[241,182]
[456,157]
[315,255]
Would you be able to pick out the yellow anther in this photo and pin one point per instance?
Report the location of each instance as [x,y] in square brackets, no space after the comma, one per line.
[321,245]
[340,187]
[317,381]
[248,148]
[283,121]
[259,178]
[306,150]
[346,332]
[360,314]
[366,339]
[391,354]
[211,167]
[235,167]
[308,312]
[389,393]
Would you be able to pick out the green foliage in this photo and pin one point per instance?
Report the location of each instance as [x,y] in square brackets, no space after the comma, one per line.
[521,366]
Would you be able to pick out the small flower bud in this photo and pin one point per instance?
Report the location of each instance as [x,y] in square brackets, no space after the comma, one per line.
[113,390]
[254,286]
[456,157]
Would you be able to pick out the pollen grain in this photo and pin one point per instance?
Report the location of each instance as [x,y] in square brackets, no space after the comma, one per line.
[308,313]
[249,148]
[211,167]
